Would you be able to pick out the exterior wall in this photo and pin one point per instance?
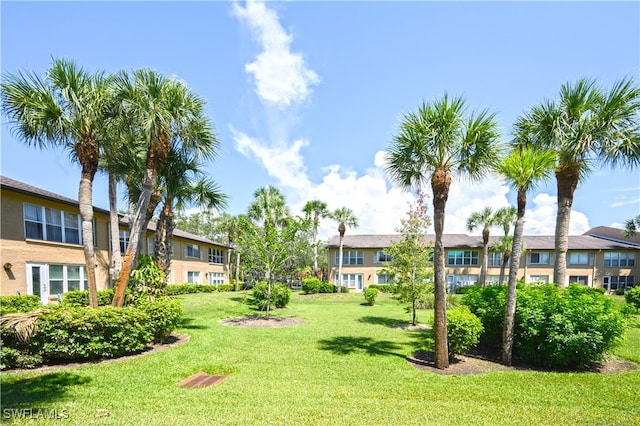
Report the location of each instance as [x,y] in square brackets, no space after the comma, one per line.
[181,265]
[18,251]
[594,270]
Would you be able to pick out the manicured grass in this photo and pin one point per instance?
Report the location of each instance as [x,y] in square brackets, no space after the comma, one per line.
[345,365]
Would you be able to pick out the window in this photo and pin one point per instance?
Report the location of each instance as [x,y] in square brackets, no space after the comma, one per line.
[462,257]
[580,279]
[495,279]
[124,241]
[578,258]
[455,281]
[350,257]
[215,278]
[381,257]
[64,278]
[495,259]
[621,282]
[151,245]
[539,258]
[193,277]
[539,279]
[47,224]
[620,259]
[384,279]
[192,251]
[216,256]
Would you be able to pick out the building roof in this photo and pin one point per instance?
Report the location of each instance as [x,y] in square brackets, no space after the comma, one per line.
[613,234]
[23,188]
[533,242]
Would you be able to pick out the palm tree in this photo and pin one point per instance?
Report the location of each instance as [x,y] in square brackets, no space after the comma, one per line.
[167,116]
[486,219]
[183,184]
[523,168]
[631,227]
[232,227]
[317,209]
[438,140]
[345,217]
[268,206]
[504,245]
[586,126]
[506,217]
[66,110]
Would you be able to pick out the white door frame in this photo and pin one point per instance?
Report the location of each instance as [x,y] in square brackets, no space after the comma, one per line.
[43,289]
[606,283]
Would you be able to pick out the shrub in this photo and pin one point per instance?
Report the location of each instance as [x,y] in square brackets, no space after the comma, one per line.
[314,285]
[23,303]
[164,316]
[224,287]
[465,289]
[81,298]
[620,291]
[280,295]
[89,333]
[487,303]
[370,295]
[632,297]
[147,281]
[187,288]
[384,288]
[463,330]
[14,358]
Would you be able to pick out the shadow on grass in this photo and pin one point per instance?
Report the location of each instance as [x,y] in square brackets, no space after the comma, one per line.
[188,324]
[240,299]
[387,322]
[346,345]
[31,392]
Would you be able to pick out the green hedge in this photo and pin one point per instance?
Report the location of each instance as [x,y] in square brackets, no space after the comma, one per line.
[23,303]
[632,297]
[560,328]
[314,285]
[81,333]
[81,298]
[384,288]
[175,289]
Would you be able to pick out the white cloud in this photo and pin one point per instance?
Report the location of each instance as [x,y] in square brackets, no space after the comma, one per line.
[281,76]
[540,217]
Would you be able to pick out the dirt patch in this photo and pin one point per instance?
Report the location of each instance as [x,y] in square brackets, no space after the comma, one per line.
[262,322]
[477,364]
[173,340]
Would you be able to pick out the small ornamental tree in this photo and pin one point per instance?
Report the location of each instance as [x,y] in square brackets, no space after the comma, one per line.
[411,265]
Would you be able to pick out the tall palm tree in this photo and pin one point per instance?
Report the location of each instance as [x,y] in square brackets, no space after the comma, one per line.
[183,184]
[345,217]
[232,227]
[269,206]
[506,217]
[486,219]
[316,210]
[168,116]
[432,144]
[585,126]
[66,110]
[523,168]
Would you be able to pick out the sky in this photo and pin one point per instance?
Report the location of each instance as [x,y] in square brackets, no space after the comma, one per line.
[307,96]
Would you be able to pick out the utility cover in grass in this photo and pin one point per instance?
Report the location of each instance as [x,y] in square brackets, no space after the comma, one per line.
[202,380]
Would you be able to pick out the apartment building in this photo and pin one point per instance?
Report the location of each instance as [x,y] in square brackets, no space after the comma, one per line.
[41,246]
[602,257]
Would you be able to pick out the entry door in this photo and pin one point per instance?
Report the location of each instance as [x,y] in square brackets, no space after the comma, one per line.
[359,283]
[606,283]
[38,281]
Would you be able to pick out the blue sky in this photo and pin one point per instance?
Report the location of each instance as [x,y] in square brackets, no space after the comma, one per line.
[306,96]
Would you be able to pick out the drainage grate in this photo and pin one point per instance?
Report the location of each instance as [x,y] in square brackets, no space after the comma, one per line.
[201,380]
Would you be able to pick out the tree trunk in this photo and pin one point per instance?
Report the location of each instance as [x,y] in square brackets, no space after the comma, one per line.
[340,266]
[503,267]
[137,225]
[440,182]
[114,225]
[164,237]
[485,257]
[237,269]
[567,177]
[315,249]
[510,304]
[85,202]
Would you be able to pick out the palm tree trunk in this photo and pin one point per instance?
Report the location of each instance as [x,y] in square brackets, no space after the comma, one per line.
[315,250]
[510,304]
[340,266]
[237,269]
[567,177]
[85,202]
[485,257]
[164,234]
[503,267]
[114,225]
[440,182]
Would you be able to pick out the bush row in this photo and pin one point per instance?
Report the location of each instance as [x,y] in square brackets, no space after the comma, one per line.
[559,328]
[23,303]
[81,297]
[82,333]
[384,288]
[175,289]
[314,285]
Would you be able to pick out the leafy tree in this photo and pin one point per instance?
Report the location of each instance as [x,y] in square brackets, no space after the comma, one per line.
[484,218]
[631,227]
[431,144]
[204,223]
[523,168]
[344,217]
[169,117]
[411,266]
[317,210]
[67,110]
[585,126]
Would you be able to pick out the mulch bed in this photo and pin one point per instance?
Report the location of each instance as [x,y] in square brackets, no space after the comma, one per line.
[262,322]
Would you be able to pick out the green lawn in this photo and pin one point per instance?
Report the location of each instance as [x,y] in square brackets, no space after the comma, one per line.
[344,365]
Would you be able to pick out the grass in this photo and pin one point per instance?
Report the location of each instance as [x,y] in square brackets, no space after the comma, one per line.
[345,365]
